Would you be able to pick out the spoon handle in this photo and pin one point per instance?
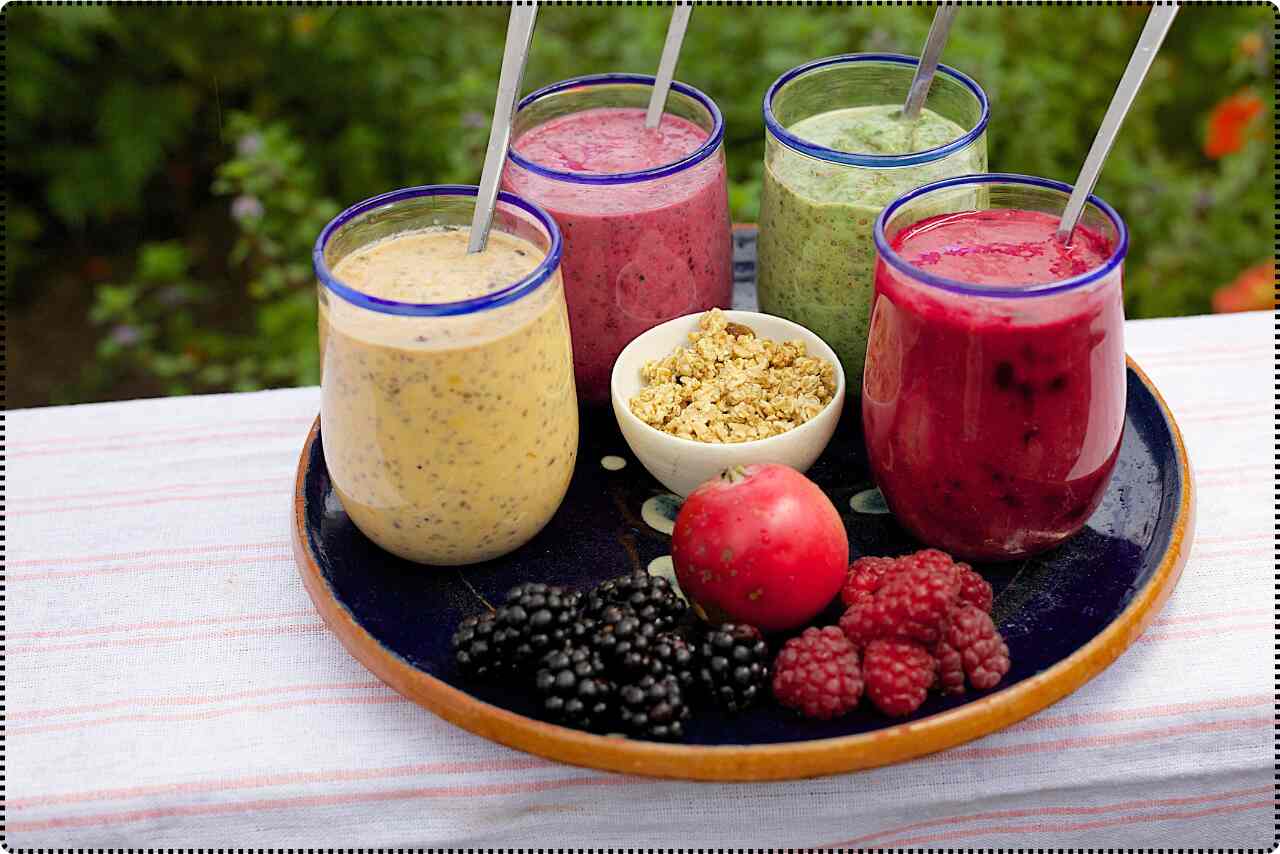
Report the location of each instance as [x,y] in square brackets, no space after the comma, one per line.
[929,57]
[667,65]
[514,57]
[1158,23]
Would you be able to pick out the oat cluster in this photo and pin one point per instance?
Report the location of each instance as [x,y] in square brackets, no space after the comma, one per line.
[729,385]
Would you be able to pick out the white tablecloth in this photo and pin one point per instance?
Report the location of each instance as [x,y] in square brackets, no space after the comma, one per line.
[170,685]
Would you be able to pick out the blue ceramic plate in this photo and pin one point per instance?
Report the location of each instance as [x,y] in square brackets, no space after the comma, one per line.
[1065,615]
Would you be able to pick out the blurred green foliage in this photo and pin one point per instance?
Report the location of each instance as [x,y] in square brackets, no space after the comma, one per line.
[176,162]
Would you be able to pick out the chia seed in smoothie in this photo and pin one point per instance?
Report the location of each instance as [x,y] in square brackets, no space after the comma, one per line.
[816,253]
[635,253]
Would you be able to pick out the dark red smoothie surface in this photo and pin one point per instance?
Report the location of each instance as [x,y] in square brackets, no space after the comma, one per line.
[637,253]
[993,423]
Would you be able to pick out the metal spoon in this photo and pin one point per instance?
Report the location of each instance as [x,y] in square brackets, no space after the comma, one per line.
[928,66]
[1158,23]
[514,57]
[667,65]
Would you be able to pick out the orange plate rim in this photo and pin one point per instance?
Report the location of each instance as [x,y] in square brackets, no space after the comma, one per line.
[788,761]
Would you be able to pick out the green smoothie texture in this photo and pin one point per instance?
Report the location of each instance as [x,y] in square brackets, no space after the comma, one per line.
[816,254]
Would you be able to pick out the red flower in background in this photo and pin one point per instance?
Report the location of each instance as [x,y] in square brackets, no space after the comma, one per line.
[1252,290]
[1228,122]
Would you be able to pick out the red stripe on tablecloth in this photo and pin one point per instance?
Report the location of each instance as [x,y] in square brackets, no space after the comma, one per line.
[154,567]
[1107,740]
[1238,467]
[1210,615]
[266,631]
[164,431]
[192,699]
[1081,825]
[1253,551]
[458,791]
[1260,473]
[209,714]
[162,624]
[1195,352]
[1215,417]
[1194,358]
[145,502]
[222,547]
[261,781]
[1122,806]
[1202,405]
[172,487]
[185,440]
[1043,722]
[1232,539]
[1212,631]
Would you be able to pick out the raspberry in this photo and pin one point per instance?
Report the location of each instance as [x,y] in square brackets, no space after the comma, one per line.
[950,668]
[916,598]
[817,674]
[974,589]
[935,558]
[982,650]
[865,577]
[898,675]
[862,621]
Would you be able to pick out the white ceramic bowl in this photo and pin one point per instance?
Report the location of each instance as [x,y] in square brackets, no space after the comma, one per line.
[682,464]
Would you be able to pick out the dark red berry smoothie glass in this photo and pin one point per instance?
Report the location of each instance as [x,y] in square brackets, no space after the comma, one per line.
[994,391]
[644,212]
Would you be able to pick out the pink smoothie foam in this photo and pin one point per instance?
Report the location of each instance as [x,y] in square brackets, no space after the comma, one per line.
[992,424]
[636,253]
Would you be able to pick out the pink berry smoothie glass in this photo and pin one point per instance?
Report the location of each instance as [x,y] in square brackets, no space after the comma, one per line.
[644,213]
[994,391]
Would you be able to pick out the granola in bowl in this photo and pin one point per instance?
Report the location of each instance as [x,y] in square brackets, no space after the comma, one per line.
[730,385]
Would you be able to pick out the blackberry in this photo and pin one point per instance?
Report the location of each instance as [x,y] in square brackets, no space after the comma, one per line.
[653,708]
[671,654]
[733,665]
[623,640]
[535,619]
[574,690]
[651,596]
[474,648]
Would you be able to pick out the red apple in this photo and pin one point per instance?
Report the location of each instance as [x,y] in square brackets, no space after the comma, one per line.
[760,544]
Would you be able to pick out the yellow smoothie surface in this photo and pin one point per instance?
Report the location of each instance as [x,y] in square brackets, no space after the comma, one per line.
[450,440]
[432,265]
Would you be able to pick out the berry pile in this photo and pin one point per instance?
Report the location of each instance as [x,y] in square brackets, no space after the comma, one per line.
[625,657]
[919,622]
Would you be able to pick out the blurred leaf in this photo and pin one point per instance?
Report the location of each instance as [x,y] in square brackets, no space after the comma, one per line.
[159,262]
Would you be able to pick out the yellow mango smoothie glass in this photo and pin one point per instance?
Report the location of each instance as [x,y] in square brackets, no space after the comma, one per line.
[448,412]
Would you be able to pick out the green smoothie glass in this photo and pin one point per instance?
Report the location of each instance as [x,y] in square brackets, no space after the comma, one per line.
[836,154]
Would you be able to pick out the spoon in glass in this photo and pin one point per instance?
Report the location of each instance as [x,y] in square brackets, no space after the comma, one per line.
[1158,23]
[514,58]
[933,44]
[667,65]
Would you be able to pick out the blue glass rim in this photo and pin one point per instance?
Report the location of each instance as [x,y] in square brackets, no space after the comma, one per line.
[876,161]
[893,259]
[699,154]
[500,297]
